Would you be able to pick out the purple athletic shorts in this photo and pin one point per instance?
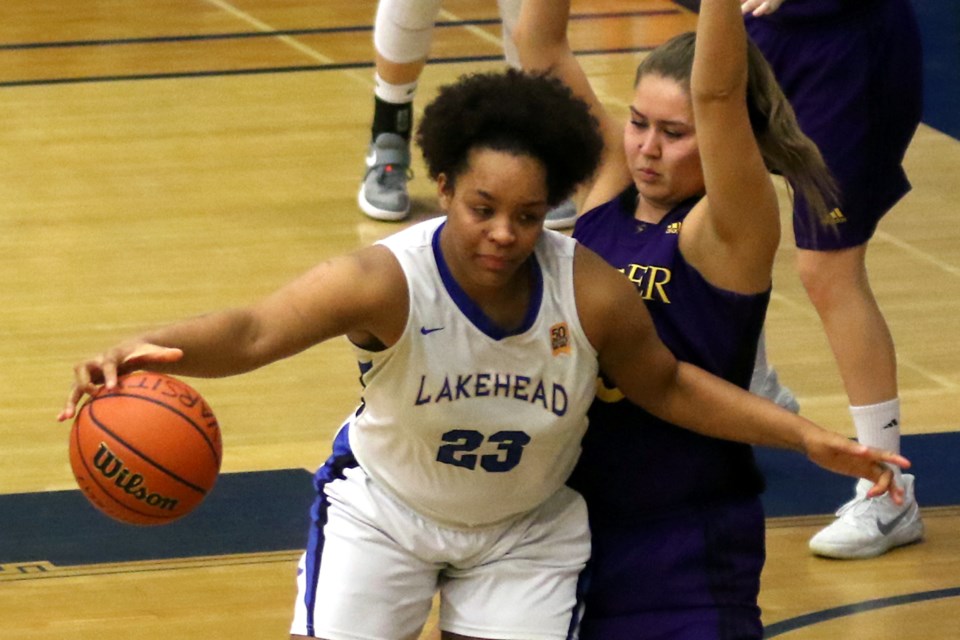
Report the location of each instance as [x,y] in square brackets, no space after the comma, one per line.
[855,83]
[691,575]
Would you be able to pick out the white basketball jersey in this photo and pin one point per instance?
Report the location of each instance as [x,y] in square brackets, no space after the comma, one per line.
[466,425]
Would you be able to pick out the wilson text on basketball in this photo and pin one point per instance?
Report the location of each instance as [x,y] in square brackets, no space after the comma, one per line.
[112,468]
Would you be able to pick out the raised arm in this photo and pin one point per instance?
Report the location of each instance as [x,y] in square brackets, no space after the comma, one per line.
[734,237]
[543,45]
[362,295]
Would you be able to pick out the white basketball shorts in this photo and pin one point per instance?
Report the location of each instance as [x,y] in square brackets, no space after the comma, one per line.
[377,565]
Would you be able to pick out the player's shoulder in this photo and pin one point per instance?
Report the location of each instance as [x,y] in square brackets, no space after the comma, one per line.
[599,288]
[420,234]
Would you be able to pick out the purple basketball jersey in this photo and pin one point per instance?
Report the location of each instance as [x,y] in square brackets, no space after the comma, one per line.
[676,519]
[634,465]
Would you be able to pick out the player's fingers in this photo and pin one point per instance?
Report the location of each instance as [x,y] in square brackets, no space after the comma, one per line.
[881,456]
[152,353]
[765,8]
[81,374]
[87,377]
[885,484]
[895,459]
[110,373]
[77,391]
[70,407]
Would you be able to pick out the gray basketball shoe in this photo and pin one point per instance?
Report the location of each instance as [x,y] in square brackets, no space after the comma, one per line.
[383,192]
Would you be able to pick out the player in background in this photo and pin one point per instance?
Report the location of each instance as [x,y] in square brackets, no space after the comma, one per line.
[684,206]
[853,73]
[402,35]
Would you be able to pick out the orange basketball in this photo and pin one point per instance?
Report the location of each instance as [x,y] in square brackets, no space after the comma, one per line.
[147,452]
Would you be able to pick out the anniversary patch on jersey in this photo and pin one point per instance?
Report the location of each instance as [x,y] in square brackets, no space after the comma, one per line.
[560,338]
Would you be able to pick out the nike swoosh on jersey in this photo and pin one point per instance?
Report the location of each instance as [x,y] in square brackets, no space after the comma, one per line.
[426,331]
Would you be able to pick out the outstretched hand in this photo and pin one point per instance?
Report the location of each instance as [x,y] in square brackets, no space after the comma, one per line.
[836,453]
[759,7]
[105,368]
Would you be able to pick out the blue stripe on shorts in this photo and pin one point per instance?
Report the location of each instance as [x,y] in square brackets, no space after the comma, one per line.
[340,460]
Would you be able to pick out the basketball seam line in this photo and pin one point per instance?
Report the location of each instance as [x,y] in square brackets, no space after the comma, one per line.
[142,455]
[196,427]
[91,476]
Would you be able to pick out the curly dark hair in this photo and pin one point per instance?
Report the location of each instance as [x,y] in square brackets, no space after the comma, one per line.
[516,112]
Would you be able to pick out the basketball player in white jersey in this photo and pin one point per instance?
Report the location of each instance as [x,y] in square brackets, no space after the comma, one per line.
[479,336]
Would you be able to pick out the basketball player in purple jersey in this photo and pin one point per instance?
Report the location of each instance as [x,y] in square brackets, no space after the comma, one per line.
[684,206]
[852,70]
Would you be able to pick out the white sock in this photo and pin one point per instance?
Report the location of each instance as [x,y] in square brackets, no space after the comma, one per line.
[394,93]
[878,426]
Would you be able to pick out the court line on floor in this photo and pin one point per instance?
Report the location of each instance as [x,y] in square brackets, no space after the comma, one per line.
[240,35]
[825,615]
[919,254]
[340,66]
[42,570]
[266,28]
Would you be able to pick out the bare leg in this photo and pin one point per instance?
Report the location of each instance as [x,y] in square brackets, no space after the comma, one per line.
[402,35]
[839,289]
[863,348]
[399,72]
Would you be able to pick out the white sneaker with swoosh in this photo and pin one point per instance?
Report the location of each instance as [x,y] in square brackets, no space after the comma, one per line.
[868,527]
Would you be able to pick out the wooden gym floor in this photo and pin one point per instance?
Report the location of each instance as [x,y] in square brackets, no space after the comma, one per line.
[163,158]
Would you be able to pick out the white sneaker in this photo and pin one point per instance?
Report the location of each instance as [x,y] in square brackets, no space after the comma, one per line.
[767,385]
[868,527]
